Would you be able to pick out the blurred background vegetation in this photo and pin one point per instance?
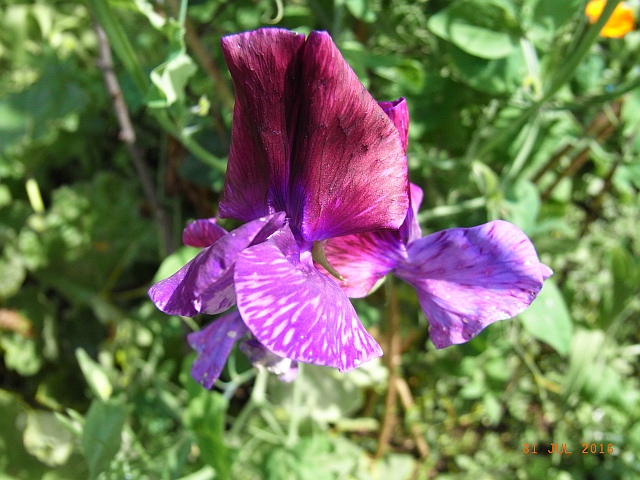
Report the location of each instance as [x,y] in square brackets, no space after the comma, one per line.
[520,110]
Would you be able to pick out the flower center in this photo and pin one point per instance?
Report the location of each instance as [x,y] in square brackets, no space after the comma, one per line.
[319,256]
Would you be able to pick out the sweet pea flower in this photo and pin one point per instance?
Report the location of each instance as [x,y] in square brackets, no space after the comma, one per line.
[465,278]
[313,156]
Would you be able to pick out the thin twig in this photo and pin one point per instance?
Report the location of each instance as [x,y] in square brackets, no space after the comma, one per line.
[392,359]
[596,203]
[407,403]
[128,136]
[600,128]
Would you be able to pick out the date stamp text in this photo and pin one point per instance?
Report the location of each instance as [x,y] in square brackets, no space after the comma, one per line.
[563,449]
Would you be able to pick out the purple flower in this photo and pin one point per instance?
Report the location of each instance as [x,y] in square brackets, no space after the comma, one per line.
[465,278]
[313,156]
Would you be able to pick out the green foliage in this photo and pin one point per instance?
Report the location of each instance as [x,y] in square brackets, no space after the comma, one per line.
[548,318]
[482,29]
[205,415]
[519,111]
[101,434]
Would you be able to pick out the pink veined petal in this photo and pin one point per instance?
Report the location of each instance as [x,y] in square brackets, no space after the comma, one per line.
[363,259]
[398,113]
[348,168]
[468,278]
[213,344]
[264,66]
[205,284]
[202,233]
[296,312]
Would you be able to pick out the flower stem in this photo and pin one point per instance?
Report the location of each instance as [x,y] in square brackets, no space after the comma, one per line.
[292,434]
[393,360]
[446,210]
[259,393]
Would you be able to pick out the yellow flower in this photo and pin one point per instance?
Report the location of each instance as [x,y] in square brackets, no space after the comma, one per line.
[621,22]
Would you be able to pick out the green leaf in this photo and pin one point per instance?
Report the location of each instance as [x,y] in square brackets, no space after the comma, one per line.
[14,459]
[492,408]
[205,416]
[408,74]
[548,318]
[95,375]
[485,29]
[102,434]
[205,473]
[13,124]
[46,438]
[13,274]
[584,360]
[485,178]
[361,9]
[500,76]
[74,422]
[175,262]
[171,78]
[521,205]
[21,354]
[307,460]
[399,466]
[549,16]
[625,270]
[328,395]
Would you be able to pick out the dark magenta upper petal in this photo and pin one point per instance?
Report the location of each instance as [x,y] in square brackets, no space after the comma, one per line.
[468,278]
[308,139]
[349,169]
[202,233]
[264,65]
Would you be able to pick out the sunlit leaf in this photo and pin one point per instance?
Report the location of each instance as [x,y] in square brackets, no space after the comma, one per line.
[205,416]
[361,9]
[170,78]
[175,261]
[95,375]
[485,29]
[548,318]
[21,354]
[102,434]
[47,439]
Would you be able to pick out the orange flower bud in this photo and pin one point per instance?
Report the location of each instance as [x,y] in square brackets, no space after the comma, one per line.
[621,22]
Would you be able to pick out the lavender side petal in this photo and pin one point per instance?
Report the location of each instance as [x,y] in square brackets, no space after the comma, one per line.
[295,311]
[468,278]
[205,284]
[213,344]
